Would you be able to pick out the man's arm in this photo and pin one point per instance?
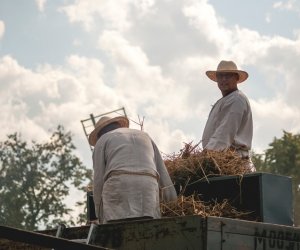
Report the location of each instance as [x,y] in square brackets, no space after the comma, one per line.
[165,182]
[99,170]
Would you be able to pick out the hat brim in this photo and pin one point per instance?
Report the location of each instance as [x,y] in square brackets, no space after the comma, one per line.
[122,120]
[212,75]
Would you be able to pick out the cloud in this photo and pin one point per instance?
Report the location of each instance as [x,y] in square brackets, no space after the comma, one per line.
[52,95]
[268,17]
[34,102]
[153,58]
[290,5]
[81,11]
[202,16]
[271,117]
[140,82]
[2,29]
[115,14]
[41,5]
[174,140]
[158,59]
[15,109]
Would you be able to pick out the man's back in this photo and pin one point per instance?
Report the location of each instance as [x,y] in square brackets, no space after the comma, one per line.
[128,172]
[127,149]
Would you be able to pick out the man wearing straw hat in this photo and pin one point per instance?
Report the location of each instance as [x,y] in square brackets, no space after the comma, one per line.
[130,177]
[229,125]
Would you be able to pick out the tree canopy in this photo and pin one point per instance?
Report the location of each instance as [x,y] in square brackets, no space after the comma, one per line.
[35,179]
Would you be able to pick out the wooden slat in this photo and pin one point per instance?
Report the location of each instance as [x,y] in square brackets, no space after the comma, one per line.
[38,239]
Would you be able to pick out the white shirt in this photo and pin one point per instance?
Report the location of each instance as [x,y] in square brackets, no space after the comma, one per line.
[229,125]
[133,151]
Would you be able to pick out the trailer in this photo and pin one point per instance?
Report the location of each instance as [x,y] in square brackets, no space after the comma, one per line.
[195,232]
[178,233]
[268,196]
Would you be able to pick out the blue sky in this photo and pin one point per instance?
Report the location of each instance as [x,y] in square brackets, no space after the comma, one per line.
[268,17]
[63,60]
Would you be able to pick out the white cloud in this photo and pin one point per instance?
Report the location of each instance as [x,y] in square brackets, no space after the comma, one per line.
[158,129]
[2,29]
[159,58]
[82,11]
[290,5]
[155,54]
[203,16]
[41,4]
[268,17]
[50,96]
[140,82]
[271,117]
[15,109]
[115,13]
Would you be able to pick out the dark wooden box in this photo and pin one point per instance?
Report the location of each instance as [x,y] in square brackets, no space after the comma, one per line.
[268,196]
[194,232]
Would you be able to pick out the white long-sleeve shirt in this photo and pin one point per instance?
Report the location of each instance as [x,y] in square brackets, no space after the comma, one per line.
[229,125]
[132,151]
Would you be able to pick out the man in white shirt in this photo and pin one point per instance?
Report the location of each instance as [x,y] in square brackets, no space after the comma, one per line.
[130,177]
[229,125]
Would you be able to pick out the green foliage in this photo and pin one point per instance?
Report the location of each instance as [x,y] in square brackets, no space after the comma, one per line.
[283,158]
[258,161]
[35,179]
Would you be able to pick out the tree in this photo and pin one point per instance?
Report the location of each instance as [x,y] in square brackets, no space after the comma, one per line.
[36,178]
[283,157]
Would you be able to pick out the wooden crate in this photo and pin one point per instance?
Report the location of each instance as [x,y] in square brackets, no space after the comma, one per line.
[267,196]
[195,232]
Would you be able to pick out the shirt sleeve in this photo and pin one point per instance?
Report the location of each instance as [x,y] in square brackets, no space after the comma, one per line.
[227,126]
[168,192]
[99,170]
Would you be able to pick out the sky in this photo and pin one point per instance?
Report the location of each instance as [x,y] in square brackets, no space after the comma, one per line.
[62,60]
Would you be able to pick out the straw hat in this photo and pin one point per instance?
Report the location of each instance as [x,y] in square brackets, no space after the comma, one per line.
[227,66]
[104,121]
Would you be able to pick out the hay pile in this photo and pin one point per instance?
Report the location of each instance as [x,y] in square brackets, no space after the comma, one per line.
[193,164]
[192,205]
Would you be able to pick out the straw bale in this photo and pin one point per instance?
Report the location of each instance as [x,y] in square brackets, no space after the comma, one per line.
[192,164]
[192,205]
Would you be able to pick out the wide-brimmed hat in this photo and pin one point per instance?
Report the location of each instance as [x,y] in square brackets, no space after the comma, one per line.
[227,66]
[104,121]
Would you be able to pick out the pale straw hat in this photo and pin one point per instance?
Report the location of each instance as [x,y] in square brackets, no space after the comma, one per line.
[104,121]
[224,67]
